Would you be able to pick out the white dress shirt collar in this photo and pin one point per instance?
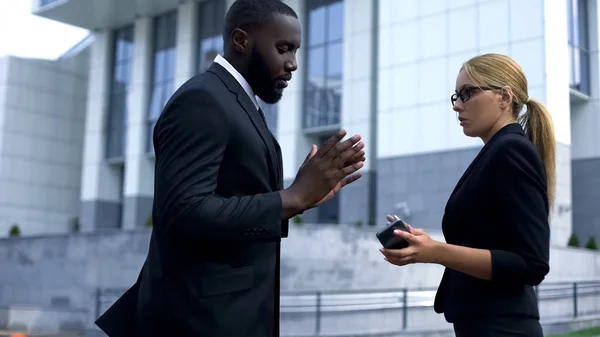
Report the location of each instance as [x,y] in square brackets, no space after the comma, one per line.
[225,64]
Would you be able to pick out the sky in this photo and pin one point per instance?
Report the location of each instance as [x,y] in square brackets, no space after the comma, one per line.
[23,34]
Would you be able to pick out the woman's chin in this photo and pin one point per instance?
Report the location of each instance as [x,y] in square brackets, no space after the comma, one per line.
[468,132]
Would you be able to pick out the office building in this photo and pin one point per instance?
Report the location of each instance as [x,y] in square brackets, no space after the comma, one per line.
[381,68]
[42,116]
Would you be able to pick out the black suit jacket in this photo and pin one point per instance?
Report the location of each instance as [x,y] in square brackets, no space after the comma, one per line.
[213,262]
[499,204]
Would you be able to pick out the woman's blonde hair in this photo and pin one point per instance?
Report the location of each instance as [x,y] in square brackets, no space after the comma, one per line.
[500,71]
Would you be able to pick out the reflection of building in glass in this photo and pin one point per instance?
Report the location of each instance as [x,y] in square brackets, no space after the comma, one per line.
[577,18]
[121,80]
[163,72]
[323,105]
[323,88]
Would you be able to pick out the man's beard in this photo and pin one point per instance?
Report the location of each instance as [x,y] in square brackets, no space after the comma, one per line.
[259,78]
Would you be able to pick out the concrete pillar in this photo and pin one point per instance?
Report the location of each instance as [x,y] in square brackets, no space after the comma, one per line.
[139,165]
[100,183]
[558,102]
[359,106]
[294,145]
[187,42]
[585,146]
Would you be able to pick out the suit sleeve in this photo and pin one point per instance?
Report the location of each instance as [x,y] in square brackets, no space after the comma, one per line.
[522,196]
[190,141]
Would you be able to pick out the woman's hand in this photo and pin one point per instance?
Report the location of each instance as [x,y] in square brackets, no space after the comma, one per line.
[421,247]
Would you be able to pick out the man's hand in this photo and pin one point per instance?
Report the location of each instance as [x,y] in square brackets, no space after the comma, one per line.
[325,172]
[346,181]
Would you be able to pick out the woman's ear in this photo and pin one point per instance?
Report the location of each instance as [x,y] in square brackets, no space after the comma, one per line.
[506,97]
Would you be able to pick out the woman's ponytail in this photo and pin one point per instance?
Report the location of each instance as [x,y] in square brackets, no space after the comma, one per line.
[538,125]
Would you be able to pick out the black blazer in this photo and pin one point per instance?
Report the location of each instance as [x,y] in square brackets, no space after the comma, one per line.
[213,262]
[500,204]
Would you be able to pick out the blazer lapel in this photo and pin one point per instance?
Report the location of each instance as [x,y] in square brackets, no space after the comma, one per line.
[254,115]
[510,128]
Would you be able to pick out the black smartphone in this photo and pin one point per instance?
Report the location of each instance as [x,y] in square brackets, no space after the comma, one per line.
[387,237]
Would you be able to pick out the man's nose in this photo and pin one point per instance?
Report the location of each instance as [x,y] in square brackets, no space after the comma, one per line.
[291,65]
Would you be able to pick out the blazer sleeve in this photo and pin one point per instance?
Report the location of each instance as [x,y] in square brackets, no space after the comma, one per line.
[190,141]
[521,191]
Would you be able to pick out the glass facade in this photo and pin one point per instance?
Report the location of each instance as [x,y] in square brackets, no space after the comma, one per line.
[323,86]
[579,59]
[163,73]
[121,80]
[210,28]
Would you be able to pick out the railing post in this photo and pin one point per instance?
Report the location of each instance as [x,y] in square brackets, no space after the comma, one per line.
[575,299]
[404,308]
[318,313]
[98,301]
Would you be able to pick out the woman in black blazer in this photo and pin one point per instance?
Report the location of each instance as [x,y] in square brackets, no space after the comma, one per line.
[496,221]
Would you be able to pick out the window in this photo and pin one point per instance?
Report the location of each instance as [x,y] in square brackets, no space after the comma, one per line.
[323,91]
[121,80]
[578,46]
[163,75]
[210,26]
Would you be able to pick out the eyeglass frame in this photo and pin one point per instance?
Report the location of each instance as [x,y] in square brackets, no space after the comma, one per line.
[455,96]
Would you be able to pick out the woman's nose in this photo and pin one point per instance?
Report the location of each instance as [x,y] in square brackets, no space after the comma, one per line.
[458,107]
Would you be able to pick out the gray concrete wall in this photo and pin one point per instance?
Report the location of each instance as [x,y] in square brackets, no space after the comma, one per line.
[42,114]
[41,270]
[422,182]
[586,198]
[41,320]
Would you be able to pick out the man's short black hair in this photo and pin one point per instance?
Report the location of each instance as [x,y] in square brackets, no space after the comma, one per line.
[245,14]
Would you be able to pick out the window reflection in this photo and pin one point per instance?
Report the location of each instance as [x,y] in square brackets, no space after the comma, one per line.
[120,83]
[578,45]
[324,64]
[164,68]
[210,25]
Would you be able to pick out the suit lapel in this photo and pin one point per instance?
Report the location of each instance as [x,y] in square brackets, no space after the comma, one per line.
[254,115]
[279,164]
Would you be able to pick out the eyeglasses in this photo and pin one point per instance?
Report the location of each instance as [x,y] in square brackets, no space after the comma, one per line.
[466,92]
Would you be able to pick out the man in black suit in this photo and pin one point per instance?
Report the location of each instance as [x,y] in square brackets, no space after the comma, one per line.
[220,209]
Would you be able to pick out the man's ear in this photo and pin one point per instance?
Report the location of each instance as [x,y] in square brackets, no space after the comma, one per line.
[241,40]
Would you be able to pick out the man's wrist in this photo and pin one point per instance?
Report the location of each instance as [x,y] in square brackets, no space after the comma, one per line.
[290,204]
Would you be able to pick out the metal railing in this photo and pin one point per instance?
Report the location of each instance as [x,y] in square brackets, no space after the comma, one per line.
[363,311]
